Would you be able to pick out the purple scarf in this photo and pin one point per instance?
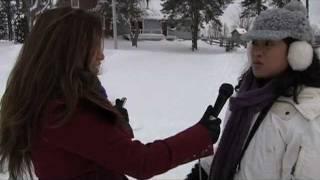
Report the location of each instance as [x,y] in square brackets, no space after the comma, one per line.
[250,100]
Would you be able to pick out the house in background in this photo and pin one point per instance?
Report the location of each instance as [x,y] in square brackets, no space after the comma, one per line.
[153,24]
[316,42]
[83,4]
[150,24]
[236,36]
[178,31]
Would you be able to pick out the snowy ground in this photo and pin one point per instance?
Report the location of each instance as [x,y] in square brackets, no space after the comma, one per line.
[167,85]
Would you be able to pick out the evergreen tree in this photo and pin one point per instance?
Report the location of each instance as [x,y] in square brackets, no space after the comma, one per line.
[194,12]
[3,22]
[253,8]
[8,8]
[279,3]
[128,12]
[20,23]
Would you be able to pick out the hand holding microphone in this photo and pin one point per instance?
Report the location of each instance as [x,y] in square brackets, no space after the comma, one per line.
[210,118]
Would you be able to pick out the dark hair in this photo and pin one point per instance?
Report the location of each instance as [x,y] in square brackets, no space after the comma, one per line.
[289,83]
[54,63]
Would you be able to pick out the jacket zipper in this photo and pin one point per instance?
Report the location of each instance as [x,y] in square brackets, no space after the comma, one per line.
[293,170]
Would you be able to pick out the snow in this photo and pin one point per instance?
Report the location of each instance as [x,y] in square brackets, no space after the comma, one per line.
[152,14]
[241,30]
[167,85]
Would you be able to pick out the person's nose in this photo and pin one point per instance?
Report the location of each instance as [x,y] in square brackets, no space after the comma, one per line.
[257,51]
[101,56]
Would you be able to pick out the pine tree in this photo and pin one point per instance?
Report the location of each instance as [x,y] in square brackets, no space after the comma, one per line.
[279,3]
[194,12]
[253,8]
[8,8]
[128,12]
[21,27]
[3,22]
[20,23]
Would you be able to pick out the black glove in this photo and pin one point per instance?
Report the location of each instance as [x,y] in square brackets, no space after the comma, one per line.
[123,111]
[197,173]
[211,123]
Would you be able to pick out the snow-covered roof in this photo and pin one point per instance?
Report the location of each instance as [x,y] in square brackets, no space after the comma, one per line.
[240,30]
[152,14]
[154,10]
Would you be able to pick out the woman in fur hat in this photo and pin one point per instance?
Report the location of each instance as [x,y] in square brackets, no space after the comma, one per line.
[273,129]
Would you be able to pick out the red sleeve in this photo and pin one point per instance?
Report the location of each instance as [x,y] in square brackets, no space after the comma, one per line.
[111,148]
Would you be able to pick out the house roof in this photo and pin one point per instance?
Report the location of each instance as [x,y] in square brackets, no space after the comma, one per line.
[240,30]
[152,14]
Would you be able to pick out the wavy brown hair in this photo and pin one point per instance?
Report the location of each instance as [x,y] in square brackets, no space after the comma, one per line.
[54,63]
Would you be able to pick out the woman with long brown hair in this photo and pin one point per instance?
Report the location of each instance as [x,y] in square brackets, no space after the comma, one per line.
[55,118]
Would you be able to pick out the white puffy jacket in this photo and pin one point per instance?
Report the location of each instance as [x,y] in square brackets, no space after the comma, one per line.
[286,146]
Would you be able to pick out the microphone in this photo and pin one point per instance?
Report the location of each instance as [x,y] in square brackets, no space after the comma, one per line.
[225,91]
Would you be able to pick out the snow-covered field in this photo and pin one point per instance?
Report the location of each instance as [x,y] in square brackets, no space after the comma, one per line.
[167,85]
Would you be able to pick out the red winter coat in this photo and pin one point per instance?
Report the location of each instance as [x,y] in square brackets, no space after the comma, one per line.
[90,148]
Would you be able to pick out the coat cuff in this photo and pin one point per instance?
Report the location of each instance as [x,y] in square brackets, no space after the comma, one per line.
[190,144]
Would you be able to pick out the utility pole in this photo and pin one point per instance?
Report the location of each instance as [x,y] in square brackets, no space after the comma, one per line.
[307,5]
[114,18]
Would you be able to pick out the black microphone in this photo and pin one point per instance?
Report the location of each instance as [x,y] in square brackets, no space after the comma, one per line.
[225,91]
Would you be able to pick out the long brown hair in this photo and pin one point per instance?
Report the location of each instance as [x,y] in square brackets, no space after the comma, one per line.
[54,63]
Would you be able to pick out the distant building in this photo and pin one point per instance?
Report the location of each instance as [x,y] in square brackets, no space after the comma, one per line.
[152,24]
[83,4]
[317,41]
[179,31]
[237,33]
[236,36]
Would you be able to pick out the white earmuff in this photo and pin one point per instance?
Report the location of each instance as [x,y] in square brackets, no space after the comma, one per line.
[300,55]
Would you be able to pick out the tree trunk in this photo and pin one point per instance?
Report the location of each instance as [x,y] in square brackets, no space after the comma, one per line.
[195,30]
[135,35]
[259,4]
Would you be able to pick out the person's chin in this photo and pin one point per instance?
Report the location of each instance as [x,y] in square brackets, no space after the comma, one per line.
[100,70]
[258,74]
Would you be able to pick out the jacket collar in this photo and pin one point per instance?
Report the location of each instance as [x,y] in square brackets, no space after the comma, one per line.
[309,102]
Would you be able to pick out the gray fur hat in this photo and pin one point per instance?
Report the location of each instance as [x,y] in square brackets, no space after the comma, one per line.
[280,23]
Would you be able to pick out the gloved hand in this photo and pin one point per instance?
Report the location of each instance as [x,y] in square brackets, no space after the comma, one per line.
[211,123]
[123,111]
[197,173]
